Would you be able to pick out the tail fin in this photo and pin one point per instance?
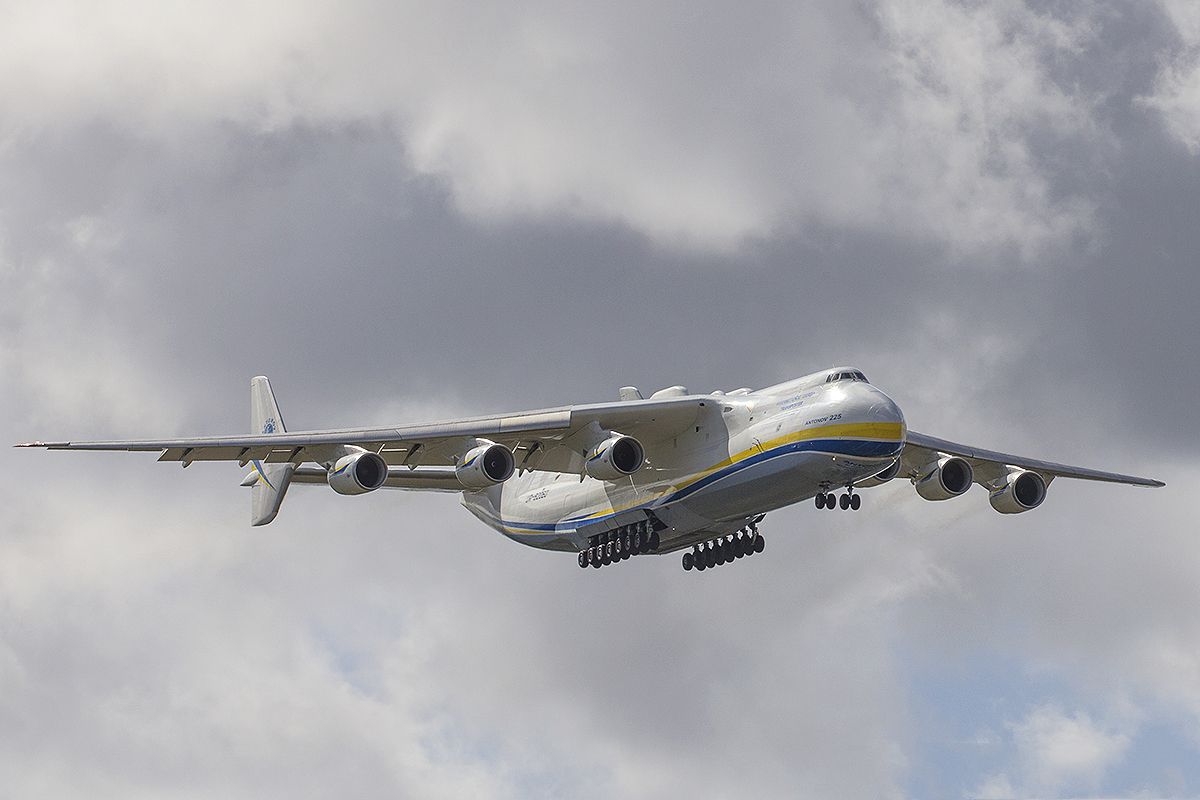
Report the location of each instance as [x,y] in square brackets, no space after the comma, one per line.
[269,482]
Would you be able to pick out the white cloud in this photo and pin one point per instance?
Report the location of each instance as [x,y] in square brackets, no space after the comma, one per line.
[1177,89]
[696,126]
[1061,750]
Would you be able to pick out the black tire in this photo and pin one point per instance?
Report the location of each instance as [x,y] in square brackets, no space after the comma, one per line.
[627,542]
[688,562]
[583,559]
[855,502]
[739,546]
[844,502]
[637,540]
[654,540]
[759,544]
[820,499]
[830,502]
[710,557]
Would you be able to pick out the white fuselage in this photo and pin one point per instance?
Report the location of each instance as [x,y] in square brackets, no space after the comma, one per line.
[747,454]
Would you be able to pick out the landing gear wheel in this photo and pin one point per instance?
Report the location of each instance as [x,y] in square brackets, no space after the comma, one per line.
[830,502]
[710,556]
[759,544]
[844,501]
[820,499]
[739,547]
[687,562]
[855,502]
[654,540]
[583,559]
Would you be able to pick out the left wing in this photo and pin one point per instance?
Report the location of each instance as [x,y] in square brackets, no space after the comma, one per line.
[992,467]
[555,439]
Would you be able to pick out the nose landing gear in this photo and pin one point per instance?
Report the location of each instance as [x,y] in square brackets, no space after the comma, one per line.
[848,501]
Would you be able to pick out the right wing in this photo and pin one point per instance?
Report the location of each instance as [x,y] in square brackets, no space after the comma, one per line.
[920,450]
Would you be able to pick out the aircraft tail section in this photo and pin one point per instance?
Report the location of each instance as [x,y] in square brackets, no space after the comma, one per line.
[269,482]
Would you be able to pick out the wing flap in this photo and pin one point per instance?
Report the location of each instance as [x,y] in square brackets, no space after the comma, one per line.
[436,479]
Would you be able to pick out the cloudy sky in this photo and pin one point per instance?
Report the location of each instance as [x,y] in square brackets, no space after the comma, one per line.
[404,212]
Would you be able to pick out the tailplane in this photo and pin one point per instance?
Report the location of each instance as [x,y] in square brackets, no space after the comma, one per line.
[268,482]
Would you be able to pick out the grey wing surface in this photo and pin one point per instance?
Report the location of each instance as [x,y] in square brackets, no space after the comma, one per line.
[920,449]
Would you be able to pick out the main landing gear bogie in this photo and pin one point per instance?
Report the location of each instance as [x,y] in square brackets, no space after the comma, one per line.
[725,549]
[849,501]
[620,544]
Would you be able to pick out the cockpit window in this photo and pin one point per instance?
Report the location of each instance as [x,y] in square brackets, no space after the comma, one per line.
[846,376]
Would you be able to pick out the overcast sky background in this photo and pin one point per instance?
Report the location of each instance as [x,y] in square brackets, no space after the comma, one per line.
[404,212]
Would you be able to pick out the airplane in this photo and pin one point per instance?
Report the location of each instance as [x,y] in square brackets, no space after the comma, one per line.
[607,481]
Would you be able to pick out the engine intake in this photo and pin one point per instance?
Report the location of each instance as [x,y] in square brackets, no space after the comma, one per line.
[1023,491]
[358,473]
[484,466]
[947,477]
[615,458]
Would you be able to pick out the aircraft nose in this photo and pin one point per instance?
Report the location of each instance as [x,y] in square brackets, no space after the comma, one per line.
[878,407]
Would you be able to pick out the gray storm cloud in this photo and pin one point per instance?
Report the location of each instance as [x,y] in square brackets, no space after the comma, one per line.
[405,213]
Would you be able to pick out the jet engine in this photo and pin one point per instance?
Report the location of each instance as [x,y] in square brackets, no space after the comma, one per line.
[947,477]
[881,477]
[1022,491]
[358,473]
[614,458]
[484,466]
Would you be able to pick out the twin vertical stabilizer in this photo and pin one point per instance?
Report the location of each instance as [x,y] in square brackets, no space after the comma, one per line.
[270,481]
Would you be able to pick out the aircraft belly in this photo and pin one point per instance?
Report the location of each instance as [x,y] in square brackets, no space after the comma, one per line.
[773,483]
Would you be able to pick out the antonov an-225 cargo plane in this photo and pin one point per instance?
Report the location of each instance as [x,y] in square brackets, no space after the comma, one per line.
[671,472]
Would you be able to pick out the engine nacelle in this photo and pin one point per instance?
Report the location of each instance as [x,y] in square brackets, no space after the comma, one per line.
[881,477]
[947,477]
[485,465]
[358,473]
[615,458]
[1023,491]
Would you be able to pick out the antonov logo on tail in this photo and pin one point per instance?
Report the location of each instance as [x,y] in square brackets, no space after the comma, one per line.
[675,472]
